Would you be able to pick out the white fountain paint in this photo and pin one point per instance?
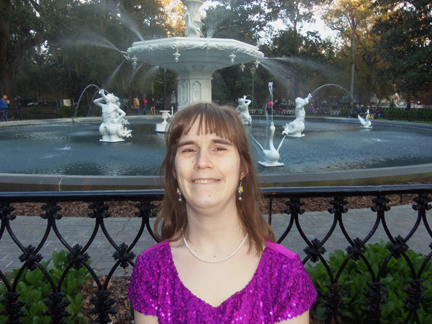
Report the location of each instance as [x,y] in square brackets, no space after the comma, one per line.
[366,123]
[161,127]
[192,58]
[243,110]
[297,126]
[113,128]
[271,156]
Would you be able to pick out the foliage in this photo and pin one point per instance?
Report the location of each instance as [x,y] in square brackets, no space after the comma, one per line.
[302,63]
[356,276]
[353,20]
[406,44]
[422,114]
[34,288]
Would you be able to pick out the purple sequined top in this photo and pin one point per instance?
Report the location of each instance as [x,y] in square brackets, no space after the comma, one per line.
[279,290]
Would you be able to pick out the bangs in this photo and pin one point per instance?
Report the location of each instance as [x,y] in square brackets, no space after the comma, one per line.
[221,121]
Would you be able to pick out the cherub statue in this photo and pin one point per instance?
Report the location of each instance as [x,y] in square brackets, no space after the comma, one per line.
[113,124]
[243,110]
[296,127]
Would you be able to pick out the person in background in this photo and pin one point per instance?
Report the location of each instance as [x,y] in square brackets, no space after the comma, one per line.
[269,107]
[312,109]
[380,112]
[4,105]
[217,260]
[152,106]
[136,105]
[144,104]
[277,107]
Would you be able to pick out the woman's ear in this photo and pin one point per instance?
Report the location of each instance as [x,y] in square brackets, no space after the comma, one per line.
[243,172]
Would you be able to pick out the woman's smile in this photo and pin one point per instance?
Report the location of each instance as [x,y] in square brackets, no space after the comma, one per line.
[204,181]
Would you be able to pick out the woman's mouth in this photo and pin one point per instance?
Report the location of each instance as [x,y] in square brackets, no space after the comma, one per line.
[204,181]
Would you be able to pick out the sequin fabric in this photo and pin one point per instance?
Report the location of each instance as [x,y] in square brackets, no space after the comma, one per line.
[279,290]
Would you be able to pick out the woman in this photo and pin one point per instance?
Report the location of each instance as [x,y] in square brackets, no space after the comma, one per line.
[217,262]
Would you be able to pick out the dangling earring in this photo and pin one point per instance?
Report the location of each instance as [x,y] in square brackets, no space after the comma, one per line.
[240,190]
[179,194]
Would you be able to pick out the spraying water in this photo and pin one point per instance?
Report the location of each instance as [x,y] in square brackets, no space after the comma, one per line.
[79,100]
[111,77]
[97,40]
[121,14]
[334,85]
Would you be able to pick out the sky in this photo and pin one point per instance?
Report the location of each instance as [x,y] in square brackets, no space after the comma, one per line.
[318,26]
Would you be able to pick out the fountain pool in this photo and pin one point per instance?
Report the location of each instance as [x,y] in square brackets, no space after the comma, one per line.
[334,149]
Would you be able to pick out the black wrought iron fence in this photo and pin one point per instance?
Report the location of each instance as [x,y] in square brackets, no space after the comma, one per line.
[332,298]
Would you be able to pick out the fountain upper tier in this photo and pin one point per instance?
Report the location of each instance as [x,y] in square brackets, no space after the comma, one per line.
[194,60]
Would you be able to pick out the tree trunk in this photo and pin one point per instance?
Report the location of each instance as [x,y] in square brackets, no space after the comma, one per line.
[368,86]
[5,72]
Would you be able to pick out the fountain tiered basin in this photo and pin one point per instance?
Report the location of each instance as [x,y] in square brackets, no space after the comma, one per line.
[194,60]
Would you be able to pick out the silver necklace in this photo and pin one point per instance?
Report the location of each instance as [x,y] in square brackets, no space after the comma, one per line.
[218,260]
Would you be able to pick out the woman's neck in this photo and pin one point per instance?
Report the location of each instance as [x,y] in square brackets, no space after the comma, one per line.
[214,233]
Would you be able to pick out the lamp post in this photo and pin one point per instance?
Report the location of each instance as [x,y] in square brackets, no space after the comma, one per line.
[253,71]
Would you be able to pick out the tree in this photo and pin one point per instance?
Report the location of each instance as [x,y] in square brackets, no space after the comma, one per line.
[56,48]
[301,62]
[21,27]
[353,20]
[406,44]
[294,12]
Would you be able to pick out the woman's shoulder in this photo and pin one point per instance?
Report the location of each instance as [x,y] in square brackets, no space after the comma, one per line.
[156,253]
[281,251]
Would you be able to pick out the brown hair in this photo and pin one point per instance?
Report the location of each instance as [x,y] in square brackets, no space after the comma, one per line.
[223,122]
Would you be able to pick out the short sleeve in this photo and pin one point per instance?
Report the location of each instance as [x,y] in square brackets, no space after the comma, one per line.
[294,290]
[143,287]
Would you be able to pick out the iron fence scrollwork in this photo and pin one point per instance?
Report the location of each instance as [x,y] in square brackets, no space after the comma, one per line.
[124,253]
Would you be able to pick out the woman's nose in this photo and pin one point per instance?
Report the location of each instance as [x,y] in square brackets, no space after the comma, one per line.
[203,160]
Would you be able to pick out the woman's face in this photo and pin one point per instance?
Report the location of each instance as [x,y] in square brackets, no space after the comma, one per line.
[207,169]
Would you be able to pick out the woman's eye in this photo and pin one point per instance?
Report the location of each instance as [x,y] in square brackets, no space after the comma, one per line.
[220,148]
[188,150]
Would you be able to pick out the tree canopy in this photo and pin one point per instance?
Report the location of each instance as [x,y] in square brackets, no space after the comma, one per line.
[55,48]
[405,43]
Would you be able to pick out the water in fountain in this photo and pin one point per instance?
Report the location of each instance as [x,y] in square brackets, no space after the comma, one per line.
[96,40]
[334,85]
[119,12]
[317,66]
[212,23]
[150,74]
[79,100]
[113,74]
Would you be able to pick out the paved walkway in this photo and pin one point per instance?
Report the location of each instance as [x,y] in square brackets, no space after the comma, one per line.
[77,230]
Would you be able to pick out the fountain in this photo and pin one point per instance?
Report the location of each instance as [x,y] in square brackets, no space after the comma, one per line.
[297,126]
[161,127]
[271,156]
[192,58]
[366,123]
[243,110]
[64,156]
[113,128]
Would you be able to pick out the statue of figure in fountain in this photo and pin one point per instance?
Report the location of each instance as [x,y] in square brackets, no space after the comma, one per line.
[297,126]
[193,19]
[366,123]
[113,128]
[243,109]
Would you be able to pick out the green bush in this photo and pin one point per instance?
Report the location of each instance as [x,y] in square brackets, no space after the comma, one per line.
[356,276]
[34,289]
[420,114]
